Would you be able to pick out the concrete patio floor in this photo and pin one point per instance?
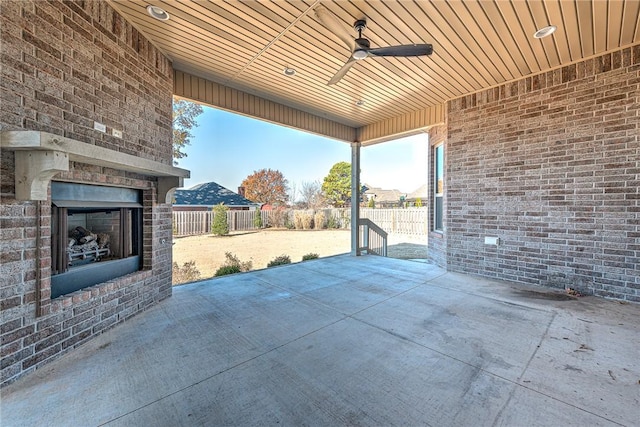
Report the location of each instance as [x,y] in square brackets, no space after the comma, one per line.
[348,341]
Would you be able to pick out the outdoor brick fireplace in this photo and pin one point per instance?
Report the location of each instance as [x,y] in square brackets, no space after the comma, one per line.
[92,231]
[85,155]
[96,235]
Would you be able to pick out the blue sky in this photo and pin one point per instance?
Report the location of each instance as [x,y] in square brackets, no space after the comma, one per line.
[228,147]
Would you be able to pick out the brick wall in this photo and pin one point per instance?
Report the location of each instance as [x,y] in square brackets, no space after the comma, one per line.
[64,66]
[550,164]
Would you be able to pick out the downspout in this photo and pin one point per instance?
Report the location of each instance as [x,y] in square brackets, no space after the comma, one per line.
[355,198]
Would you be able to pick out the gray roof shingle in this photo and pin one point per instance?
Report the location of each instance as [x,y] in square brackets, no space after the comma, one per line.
[210,194]
[421,192]
[382,195]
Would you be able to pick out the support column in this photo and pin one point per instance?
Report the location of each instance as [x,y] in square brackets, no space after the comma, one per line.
[355,198]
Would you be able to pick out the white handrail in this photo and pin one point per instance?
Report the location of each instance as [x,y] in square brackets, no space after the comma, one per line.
[373,238]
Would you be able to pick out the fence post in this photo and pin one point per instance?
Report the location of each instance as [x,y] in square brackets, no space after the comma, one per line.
[393,221]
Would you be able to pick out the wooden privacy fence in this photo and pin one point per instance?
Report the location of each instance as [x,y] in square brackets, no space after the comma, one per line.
[189,223]
[411,221]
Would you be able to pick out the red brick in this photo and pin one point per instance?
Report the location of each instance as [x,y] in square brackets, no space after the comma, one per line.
[66,64]
[559,170]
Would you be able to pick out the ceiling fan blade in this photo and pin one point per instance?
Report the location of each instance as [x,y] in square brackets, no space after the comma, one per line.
[342,71]
[403,50]
[331,22]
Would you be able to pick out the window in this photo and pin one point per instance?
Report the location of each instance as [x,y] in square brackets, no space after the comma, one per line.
[96,235]
[438,185]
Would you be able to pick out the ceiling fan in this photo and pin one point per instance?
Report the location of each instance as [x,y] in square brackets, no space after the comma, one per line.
[360,47]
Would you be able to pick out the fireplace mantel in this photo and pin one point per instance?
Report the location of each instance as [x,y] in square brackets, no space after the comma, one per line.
[41,155]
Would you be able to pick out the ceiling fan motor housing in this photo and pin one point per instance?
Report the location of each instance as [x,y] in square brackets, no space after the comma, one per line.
[363,43]
[360,25]
[362,49]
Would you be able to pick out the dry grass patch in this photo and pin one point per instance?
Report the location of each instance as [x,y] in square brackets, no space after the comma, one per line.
[209,252]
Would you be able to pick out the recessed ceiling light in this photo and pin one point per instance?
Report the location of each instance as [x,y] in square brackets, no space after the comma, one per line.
[157,13]
[544,32]
[290,72]
[360,102]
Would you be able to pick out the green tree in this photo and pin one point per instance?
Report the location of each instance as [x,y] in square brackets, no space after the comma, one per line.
[266,186]
[418,203]
[185,114]
[372,203]
[257,220]
[337,185]
[219,225]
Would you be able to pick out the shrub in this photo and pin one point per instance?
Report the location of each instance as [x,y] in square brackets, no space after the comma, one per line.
[372,203]
[319,220]
[333,222]
[232,264]
[185,274]
[219,225]
[278,217]
[418,203]
[307,221]
[336,221]
[288,223]
[233,260]
[310,256]
[257,220]
[279,260]
[303,220]
[227,269]
[297,220]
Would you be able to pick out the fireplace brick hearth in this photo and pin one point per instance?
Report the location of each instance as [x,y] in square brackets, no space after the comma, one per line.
[76,63]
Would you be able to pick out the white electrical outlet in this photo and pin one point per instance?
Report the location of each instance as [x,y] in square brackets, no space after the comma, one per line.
[99,127]
[490,240]
[116,133]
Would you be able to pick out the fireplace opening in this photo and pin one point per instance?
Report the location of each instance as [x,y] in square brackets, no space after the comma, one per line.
[96,235]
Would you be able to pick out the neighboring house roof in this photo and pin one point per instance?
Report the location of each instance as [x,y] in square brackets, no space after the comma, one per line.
[210,194]
[420,193]
[380,195]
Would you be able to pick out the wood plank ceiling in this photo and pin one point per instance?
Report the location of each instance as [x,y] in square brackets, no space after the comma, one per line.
[477,44]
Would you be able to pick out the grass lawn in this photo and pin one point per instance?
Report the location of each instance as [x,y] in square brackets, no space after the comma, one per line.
[260,247]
